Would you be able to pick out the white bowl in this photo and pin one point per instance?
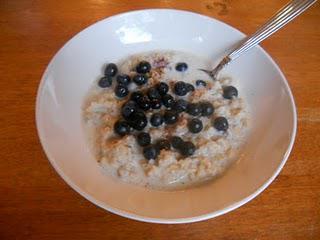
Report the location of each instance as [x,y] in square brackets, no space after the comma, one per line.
[76,65]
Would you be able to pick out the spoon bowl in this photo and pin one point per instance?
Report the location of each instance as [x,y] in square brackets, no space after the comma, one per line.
[74,68]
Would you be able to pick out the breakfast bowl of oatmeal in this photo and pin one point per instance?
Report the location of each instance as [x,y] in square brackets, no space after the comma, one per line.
[129,121]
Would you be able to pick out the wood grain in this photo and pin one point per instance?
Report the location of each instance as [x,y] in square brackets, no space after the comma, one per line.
[35,203]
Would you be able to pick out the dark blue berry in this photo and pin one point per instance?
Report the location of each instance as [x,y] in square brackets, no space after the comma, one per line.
[180,88]
[162,88]
[156,119]
[135,96]
[144,103]
[150,152]
[143,67]
[138,121]
[176,142]
[195,125]
[193,109]
[123,79]
[201,83]
[128,108]
[180,105]
[155,104]
[153,93]
[221,123]
[163,144]
[105,82]
[121,128]
[168,101]
[140,79]
[181,67]
[230,92]
[170,117]
[207,109]
[121,91]
[143,139]
[187,149]
[111,70]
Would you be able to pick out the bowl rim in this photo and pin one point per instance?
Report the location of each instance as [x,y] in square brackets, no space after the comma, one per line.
[137,217]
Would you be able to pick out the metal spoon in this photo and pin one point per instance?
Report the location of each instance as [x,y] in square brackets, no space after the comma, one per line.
[281,18]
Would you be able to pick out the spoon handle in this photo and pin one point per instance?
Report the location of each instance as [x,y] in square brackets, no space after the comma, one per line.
[281,18]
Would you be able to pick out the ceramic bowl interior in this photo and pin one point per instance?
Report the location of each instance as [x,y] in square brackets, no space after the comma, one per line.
[79,62]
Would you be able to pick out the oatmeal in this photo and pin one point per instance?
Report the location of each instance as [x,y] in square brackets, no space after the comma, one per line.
[155,120]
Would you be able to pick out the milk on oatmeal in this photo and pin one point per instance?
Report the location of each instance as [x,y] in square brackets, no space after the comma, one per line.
[208,147]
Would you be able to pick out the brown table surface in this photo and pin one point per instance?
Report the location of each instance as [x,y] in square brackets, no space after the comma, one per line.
[35,203]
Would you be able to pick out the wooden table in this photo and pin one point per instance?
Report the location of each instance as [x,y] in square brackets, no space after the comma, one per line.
[35,203]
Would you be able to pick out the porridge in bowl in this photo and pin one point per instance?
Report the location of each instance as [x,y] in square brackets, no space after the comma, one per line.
[155,120]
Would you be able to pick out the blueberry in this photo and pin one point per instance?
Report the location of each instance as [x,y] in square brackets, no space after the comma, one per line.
[135,96]
[181,67]
[170,117]
[153,93]
[123,79]
[180,88]
[128,108]
[187,149]
[180,105]
[111,70]
[190,87]
[193,109]
[144,103]
[121,91]
[163,144]
[156,119]
[105,82]
[150,152]
[140,79]
[230,92]
[155,104]
[168,101]
[195,125]
[201,83]
[176,142]
[138,121]
[221,124]
[121,128]
[143,139]
[162,88]
[207,109]
[143,67]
